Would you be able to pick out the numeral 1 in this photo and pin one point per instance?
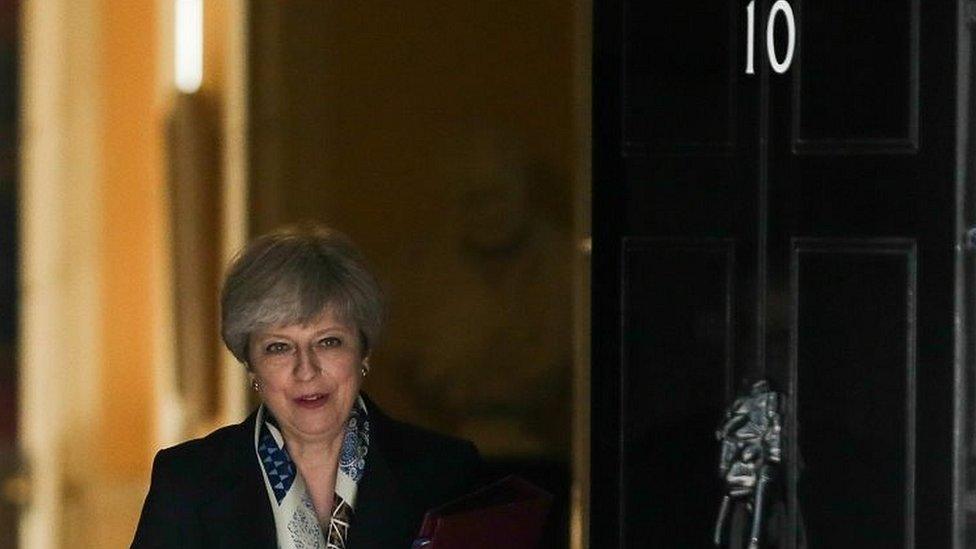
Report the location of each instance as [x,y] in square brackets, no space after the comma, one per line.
[751,32]
[779,7]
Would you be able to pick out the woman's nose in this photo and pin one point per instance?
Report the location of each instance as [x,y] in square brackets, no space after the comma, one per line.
[308,365]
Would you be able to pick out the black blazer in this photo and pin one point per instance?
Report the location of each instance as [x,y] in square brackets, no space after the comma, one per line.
[209,492]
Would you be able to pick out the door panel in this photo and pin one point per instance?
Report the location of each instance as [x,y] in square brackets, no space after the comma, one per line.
[680,90]
[854,380]
[869,222]
[833,196]
[677,311]
[856,76]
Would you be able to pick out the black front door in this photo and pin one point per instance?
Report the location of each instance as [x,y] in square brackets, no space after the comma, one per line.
[796,213]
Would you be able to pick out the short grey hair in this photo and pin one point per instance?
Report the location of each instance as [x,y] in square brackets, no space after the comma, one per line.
[292,275]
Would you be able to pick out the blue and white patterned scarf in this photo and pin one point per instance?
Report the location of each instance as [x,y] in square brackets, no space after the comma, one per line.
[295,519]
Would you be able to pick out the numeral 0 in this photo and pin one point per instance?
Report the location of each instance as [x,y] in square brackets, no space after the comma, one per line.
[780,6]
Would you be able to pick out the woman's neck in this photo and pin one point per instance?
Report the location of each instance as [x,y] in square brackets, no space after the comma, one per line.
[314,453]
[317,461]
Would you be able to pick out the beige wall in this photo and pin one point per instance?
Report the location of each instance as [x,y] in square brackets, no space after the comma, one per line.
[93,266]
[131,192]
[356,100]
[370,116]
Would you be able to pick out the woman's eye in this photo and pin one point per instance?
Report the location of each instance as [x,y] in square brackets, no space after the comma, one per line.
[276,348]
[330,342]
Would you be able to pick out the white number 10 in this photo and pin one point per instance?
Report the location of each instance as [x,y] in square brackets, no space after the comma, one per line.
[780,6]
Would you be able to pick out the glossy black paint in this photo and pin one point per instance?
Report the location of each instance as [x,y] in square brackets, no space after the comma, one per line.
[799,226]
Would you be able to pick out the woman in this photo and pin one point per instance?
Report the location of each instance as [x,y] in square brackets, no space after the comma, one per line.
[317,464]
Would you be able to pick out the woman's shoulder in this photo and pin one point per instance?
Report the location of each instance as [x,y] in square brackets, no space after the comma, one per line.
[425,459]
[193,480]
[197,457]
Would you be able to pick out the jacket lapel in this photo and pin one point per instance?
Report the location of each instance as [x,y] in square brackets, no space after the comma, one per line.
[239,515]
[384,517]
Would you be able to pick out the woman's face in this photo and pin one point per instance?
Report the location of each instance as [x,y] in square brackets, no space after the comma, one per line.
[308,376]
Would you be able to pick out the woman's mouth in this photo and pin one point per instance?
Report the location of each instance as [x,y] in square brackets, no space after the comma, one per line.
[311,400]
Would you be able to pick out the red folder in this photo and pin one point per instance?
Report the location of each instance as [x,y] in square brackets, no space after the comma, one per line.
[508,513]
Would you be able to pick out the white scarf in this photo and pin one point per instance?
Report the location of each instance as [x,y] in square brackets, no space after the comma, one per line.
[295,520]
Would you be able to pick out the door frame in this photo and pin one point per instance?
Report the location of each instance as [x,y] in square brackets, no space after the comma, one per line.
[58,283]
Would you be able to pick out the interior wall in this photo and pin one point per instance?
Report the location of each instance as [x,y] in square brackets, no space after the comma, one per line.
[92,247]
[131,191]
[132,241]
[446,140]
[389,121]
[58,237]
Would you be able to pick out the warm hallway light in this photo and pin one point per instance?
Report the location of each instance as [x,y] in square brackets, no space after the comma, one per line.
[188,62]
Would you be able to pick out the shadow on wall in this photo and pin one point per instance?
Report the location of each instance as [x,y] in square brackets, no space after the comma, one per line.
[484,339]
